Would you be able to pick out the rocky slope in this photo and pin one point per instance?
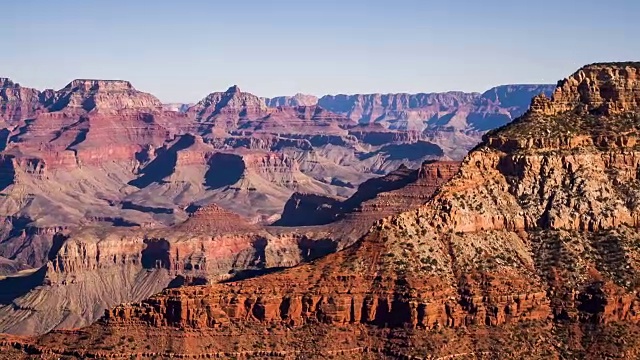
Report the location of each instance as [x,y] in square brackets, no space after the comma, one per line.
[376,198]
[529,251]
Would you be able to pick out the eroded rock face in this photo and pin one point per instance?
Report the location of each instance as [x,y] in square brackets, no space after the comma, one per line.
[523,242]
[397,192]
[229,106]
[96,268]
[263,179]
[61,141]
[89,122]
[102,95]
[17,102]
[381,137]
[301,120]
[597,88]
[376,198]
[26,242]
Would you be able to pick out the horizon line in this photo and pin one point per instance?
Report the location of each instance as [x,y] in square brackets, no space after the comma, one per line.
[291,95]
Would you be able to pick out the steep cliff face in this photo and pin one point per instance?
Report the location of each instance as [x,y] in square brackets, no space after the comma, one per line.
[378,137]
[89,122]
[17,102]
[371,108]
[598,89]
[97,268]
[62,141]
[530,250]
[26,242]
[401,190]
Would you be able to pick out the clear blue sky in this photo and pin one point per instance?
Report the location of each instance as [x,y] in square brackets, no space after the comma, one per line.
[182,50]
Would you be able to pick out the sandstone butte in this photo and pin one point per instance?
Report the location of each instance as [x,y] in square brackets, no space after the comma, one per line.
[529,251]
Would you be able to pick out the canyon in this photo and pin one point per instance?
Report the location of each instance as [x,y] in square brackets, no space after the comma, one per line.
[528,248]
[96,268]
[108,196]
[102,153]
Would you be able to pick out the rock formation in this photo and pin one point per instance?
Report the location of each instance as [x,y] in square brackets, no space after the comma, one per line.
[229,106]
[109,128]
[17,102]
[596,89]
[102,95]
[65,154]
[213,219]
[529,251]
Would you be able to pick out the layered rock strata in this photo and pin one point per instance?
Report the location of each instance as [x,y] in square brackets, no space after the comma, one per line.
[212,244]
[527,252]
[104,154]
